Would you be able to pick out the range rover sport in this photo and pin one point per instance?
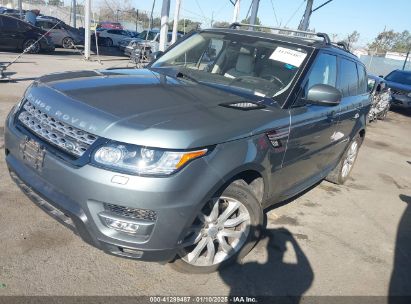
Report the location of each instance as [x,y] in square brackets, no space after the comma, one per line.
[177,161]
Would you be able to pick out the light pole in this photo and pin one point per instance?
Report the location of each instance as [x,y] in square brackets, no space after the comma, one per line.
[406,58]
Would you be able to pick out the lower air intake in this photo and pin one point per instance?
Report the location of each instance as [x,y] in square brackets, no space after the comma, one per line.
[135,213]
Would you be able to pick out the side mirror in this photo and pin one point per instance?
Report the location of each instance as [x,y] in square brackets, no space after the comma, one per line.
[381,76]
[324,95]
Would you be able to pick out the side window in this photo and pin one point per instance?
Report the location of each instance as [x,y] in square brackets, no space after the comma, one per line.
[348,78]
[324,71]
[362,79]
[110,32]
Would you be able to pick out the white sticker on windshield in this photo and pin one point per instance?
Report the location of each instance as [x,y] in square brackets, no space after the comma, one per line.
[289,56]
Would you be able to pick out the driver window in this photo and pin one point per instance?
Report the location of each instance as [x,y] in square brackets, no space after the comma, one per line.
[324,71]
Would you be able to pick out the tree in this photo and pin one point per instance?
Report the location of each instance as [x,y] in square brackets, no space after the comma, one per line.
[352,39]
[384,41]
[187,25]
[402,42]
[56,2]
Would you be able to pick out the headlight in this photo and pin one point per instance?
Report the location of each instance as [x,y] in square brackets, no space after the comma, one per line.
[141,160]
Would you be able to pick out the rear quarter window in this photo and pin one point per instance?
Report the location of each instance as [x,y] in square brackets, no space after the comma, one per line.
[362,79]
[348,78]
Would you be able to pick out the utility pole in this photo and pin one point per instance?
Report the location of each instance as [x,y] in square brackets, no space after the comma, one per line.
[74,13]
[150,22]
[406,58]
[20,6]
[165,11]
[87,34]
[254,12]
[236,11]
[305,22]
[176,19]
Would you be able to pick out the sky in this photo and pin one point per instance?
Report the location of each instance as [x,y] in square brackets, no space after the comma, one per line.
[341,17]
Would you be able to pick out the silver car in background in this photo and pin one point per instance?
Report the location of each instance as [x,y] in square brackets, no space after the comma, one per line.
[62,34]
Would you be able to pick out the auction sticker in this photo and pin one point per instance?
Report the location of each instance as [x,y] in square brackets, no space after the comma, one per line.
[288,56]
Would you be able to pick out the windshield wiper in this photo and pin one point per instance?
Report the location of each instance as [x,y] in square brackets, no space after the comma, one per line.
[186,76]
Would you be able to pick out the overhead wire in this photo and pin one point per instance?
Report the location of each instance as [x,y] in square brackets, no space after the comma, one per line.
[293,15]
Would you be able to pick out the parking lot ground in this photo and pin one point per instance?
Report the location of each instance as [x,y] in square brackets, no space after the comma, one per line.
[332,240]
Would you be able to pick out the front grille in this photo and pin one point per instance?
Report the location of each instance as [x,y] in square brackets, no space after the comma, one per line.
[398,92]
[70,139]
[136,213]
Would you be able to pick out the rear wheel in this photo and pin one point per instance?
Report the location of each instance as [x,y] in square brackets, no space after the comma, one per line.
[224,231]
[31,46]
[343,170]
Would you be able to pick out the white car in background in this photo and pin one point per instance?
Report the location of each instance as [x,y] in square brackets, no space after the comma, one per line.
[113,37]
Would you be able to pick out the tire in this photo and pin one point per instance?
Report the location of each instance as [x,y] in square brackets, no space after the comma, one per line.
[67,43]
[340,174]
[246,233]
[35,46]
[109,42]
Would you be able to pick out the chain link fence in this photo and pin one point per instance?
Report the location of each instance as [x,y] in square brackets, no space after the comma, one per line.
[382,66]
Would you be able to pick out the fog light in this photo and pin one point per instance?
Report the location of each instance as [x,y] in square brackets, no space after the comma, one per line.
[120,225]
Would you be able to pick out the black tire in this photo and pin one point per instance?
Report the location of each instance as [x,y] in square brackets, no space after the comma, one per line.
[338,175]
[109,42]
[67,43]
[243,194]
[33,45]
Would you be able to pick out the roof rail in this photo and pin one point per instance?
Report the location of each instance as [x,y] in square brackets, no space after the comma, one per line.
[285,31]
[343,45]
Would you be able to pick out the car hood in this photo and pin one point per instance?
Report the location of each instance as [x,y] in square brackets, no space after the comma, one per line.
[148,108]
[398,86]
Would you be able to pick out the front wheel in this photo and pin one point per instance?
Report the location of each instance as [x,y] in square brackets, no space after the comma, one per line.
[224,231]
[68,43]
[343,169]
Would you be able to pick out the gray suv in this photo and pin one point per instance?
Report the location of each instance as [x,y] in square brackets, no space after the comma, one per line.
[177,162]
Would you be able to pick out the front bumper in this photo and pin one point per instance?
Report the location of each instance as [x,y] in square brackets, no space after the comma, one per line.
[76,195]
[401,101]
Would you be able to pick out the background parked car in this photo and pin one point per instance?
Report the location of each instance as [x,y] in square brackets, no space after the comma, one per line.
[113,37]
[399,82]
[61,33]
[149,41]
[11,12]
[16,34]
[381,98]
[110,25]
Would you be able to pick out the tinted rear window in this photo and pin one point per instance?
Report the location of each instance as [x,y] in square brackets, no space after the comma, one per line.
[348,78]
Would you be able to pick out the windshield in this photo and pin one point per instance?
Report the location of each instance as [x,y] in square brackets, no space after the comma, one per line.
[262,67]
[400,77]
[143,35]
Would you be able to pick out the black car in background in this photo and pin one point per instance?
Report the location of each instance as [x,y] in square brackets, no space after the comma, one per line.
[399,82]
[19,35]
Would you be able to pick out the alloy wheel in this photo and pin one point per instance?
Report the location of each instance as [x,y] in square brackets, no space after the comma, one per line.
[219,232]
[349,159]
[68,43]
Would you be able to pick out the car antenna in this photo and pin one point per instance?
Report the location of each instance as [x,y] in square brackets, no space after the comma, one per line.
[5,66]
